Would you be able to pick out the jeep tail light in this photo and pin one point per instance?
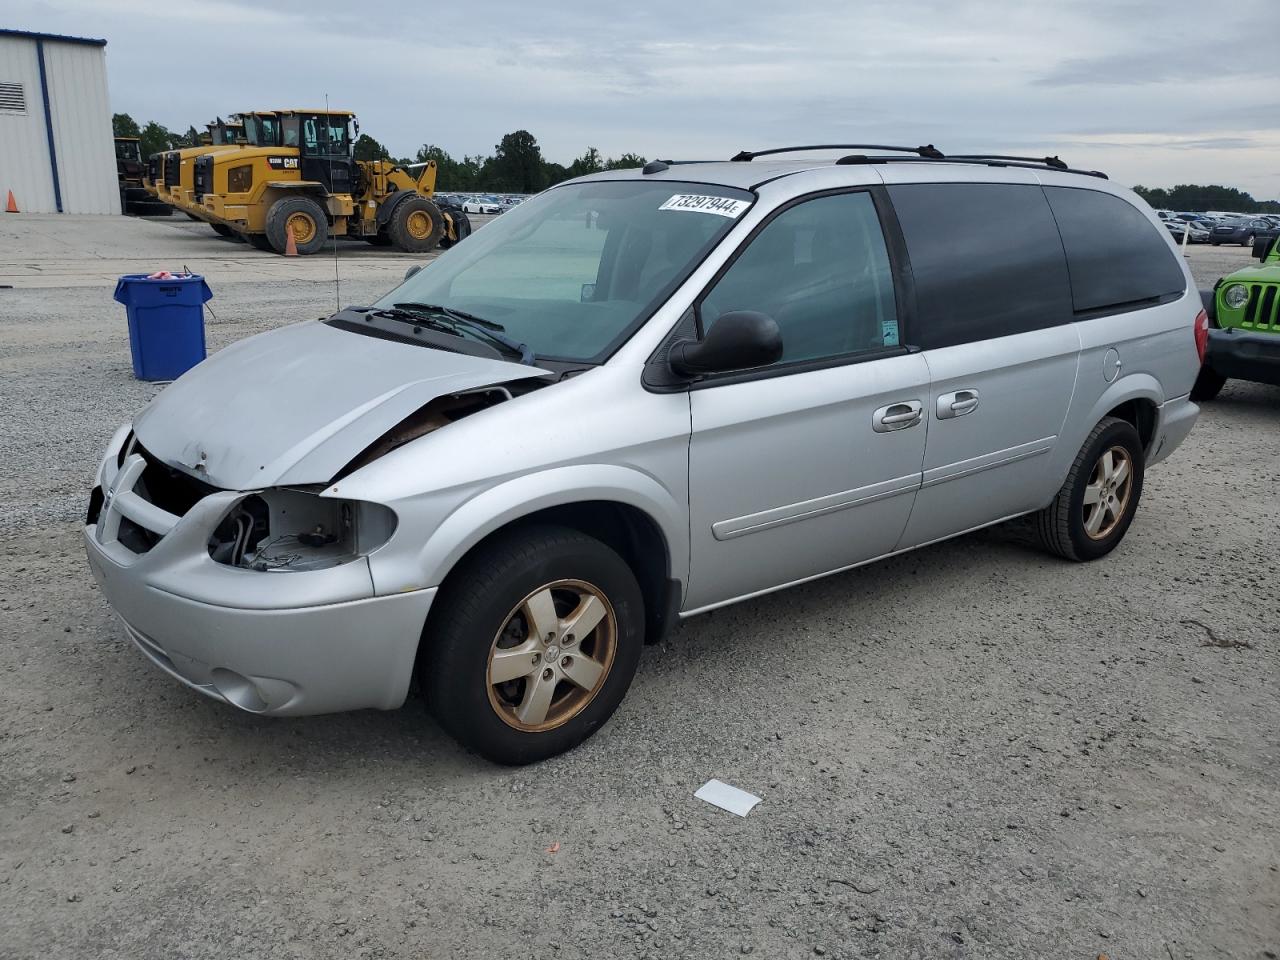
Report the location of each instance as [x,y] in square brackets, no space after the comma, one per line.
[1202,334]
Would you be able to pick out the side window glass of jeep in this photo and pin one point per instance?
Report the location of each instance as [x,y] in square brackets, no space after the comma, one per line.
[821,270]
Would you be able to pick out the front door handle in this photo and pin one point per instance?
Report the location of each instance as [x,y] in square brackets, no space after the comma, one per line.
[897,416]
[952,405]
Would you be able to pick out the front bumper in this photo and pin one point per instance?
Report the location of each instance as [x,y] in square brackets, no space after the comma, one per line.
[1241,355]
[279,643]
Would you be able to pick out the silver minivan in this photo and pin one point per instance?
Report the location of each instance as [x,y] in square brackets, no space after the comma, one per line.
[636,397]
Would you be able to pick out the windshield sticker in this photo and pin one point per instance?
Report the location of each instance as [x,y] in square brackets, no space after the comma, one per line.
[720,206]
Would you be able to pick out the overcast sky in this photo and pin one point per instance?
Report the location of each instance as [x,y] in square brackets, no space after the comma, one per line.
[1156,92]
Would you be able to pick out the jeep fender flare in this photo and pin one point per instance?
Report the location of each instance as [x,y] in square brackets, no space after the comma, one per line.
[521,496]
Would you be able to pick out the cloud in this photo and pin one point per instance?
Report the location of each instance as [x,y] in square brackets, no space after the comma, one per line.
[1121,85]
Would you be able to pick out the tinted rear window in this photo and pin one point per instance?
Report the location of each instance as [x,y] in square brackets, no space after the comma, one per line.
[986,258]
[1116,255]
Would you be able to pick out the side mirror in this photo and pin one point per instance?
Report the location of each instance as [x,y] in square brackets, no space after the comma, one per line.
[412,270]
[1262,246]
[739,340]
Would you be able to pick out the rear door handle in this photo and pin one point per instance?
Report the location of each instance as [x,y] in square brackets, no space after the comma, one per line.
[897,416]
[952,405]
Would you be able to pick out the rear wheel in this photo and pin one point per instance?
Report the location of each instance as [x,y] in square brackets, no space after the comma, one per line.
[1248,241]
[1094,508]
[302,217]
[416,225]
[259,241]
[532,644]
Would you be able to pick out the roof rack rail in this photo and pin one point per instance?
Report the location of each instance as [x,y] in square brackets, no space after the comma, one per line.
[1054,162]
[928,151]
[1033,164]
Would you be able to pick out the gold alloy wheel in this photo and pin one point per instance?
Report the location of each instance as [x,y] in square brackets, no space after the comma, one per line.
[419,224]
[302,226]
[552,655]
[1106,498]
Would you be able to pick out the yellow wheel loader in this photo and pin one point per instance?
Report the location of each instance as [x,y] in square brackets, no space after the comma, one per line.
[176,167]
[309,184]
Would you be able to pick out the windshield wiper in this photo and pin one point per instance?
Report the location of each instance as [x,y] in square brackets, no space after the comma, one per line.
[451,321]
[451,312]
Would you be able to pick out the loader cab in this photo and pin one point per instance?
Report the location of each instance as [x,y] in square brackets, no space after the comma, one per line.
[324,146]
[262,129]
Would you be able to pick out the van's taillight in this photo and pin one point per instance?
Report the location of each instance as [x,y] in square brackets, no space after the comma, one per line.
[1202,334]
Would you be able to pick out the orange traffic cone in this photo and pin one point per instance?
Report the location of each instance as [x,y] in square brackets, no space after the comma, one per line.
[12,205]
[290,242]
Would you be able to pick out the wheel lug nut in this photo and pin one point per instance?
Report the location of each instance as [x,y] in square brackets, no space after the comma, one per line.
[548,673]
[568,639]
[566,662]
[537,658]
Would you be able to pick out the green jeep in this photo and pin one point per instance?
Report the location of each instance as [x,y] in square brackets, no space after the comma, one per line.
[1244,320]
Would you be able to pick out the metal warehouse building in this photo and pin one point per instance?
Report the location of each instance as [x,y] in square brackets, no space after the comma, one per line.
[57,153]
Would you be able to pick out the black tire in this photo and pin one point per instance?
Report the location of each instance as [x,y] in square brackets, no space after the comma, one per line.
[310,238]
[461,227]
[149,208]
[221,229]
[259,241]
[478,601]
[1060,527]
[416,225]
[1208,385]
[135,194]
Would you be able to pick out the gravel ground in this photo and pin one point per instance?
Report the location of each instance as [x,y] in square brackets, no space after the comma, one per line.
[1011,757]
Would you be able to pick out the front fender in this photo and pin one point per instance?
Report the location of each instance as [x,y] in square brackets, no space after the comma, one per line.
[521,496]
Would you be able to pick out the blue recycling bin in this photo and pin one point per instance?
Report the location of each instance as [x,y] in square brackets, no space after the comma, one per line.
[166,323]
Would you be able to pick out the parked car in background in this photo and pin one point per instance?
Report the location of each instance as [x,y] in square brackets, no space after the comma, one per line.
[481,205]
[1198,233]
[1243,231]
[1244,324]
[548,446]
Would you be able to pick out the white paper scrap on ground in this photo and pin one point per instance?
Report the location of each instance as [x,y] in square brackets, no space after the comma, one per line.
[721,795]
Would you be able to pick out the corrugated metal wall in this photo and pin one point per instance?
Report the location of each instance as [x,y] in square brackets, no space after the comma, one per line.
[81,113]
[77,76]
[24,148]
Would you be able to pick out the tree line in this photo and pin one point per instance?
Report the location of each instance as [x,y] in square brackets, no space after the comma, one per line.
[518,166]
[1192,196]
[515,166]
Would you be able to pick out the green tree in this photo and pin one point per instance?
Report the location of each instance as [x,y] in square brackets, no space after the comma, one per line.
[123,125]
[156,138]
[589,162]
[554,173]
[1193,196]
[367,148]
[191,138]
[517,165]
[625,162]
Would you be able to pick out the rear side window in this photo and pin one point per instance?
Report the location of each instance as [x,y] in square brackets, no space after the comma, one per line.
[986,258]
[1116,256]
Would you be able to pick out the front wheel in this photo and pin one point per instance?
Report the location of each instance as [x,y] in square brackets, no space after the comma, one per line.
[1248,241]
[533,644]
[302,217]
[416,225]
[1093,510]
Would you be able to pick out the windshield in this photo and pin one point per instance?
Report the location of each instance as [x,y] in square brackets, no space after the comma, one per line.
[128,150]
[574,270]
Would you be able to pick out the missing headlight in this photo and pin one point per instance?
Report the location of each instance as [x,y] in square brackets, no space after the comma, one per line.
[293,530]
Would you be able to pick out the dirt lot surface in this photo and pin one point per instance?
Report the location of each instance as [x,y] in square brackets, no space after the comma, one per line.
[974,750]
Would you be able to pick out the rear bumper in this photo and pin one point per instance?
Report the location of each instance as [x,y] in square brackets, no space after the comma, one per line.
[1241,355]
[1176,418]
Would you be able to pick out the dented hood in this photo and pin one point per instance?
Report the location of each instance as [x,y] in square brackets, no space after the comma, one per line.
[295,405]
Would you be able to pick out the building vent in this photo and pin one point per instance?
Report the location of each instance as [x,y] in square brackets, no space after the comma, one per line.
[13,99]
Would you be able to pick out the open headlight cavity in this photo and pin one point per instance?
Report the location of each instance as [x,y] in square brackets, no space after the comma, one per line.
[294,530]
